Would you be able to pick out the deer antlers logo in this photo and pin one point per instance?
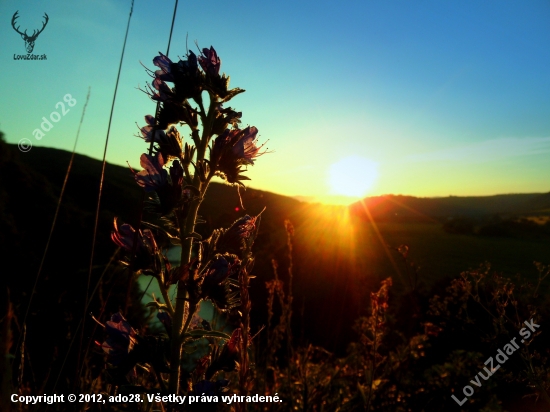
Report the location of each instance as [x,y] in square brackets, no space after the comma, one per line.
[29,40]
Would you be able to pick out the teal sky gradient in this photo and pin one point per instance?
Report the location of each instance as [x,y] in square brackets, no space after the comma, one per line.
[446,97]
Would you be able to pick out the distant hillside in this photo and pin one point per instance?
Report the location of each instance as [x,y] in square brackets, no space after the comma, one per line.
[120,187]
[339,257]
[121,195]
[409,208]
[539,205]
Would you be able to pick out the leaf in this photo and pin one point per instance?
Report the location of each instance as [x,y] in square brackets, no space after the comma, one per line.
[170,236]
[232,93]
[175,241]
[201,333]
[189,349]
[156,305]
[194,235]
[234,282]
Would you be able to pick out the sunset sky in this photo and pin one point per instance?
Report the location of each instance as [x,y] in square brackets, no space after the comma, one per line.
[426,98]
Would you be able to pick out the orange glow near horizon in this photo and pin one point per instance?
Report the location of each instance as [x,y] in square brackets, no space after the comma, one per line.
[330,224]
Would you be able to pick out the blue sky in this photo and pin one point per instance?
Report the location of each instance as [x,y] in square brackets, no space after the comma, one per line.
[444,97]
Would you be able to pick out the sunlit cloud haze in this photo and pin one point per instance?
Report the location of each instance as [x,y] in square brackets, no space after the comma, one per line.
[446,98]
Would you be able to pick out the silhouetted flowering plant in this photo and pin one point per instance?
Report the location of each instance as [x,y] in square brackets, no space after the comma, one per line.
[175,176]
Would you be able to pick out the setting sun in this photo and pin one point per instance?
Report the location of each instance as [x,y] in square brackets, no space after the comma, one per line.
[352,176]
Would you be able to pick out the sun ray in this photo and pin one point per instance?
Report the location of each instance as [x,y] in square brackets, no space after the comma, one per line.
[382,242]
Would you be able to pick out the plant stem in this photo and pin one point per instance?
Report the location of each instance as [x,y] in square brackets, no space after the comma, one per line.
[187,226]
[177,324]
[192,309]
[245,324]
[164,292]
[375,348]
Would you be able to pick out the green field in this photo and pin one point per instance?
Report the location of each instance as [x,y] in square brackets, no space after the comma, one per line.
[333,261]
[440,254]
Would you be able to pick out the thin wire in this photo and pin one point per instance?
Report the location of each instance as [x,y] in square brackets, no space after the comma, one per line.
[54,219]
[172,27]
[101,182]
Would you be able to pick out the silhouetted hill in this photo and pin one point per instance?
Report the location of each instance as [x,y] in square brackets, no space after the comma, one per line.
[409,208]
[538,205]
[339,257]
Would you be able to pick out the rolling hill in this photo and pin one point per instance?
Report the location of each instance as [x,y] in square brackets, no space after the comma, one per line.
[340,254]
